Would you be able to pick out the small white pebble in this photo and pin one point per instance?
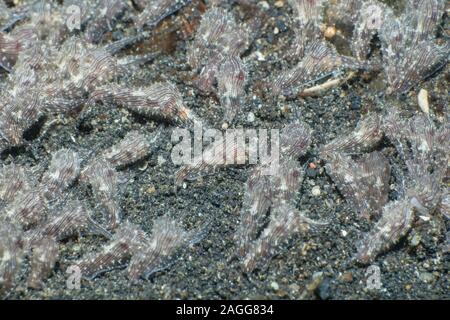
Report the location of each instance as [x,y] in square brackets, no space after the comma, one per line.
[251,117]
[274,285]
[315,191]
[264,5]
[276,31]
[260,56]
[422,99]
[279,4]
[161,160]
[184,185]
[344,233]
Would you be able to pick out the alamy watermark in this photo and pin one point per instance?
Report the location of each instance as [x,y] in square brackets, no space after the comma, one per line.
[73,14]
[73,281]
[232,147]
[373,280]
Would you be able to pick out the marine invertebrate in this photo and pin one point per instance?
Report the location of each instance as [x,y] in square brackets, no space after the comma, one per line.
[410,53]
[285,222]
[231,80]
[218,154]
[11,16]
[344,12]
[42,242]
[12,44]
[159,101]
[155,11]
[49,75]
[5,14]
[320,61]
[11,254]
[215,53]
[55,71]
[424,150]
[107,15]
[131,148]
[27,209]
[59,76]
[308,15]
[127,238]
[317,61]
[41,84]
[101,172]
[39,217]
[13,180]
[273,190]
[143,255]
[55,80]
[370,20]
[363,182]
[367,134]
[53,23]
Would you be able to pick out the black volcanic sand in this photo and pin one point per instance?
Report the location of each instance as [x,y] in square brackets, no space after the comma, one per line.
[315,265]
